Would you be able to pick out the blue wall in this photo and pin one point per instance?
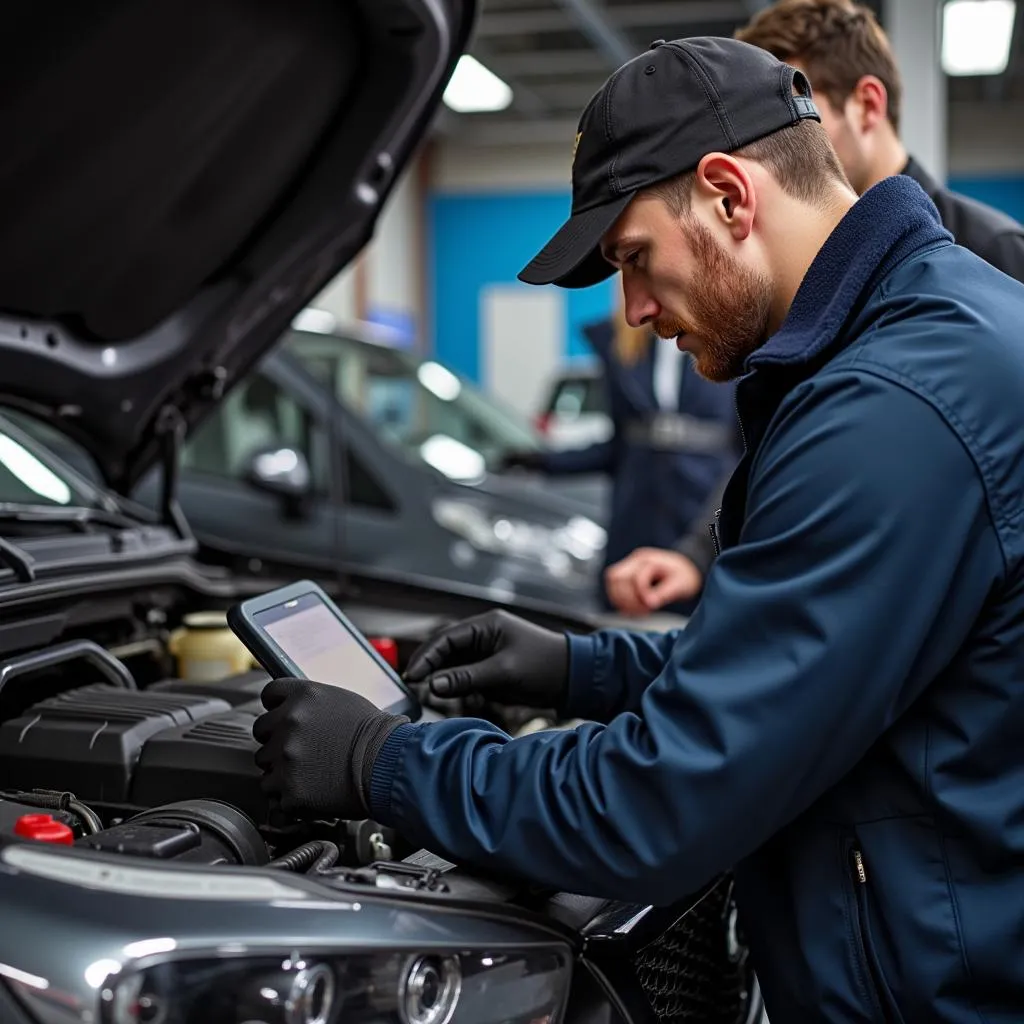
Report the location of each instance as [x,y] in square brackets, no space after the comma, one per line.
[1006,194]
[483,239]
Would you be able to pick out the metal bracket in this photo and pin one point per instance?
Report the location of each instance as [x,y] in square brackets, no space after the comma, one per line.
[170,429]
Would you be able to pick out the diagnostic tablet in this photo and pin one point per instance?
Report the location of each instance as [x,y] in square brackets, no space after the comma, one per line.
[299,631]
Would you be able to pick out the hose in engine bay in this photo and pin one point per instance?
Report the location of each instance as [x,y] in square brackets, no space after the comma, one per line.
[52,800]
[313,858]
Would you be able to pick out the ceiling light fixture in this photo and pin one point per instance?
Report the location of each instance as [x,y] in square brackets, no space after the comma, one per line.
[976,36]
[474,88]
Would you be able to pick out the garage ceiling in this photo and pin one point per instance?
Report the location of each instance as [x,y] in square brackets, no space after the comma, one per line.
[556,53]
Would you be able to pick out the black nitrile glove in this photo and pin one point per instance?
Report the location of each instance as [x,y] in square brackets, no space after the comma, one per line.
[319,744]
[500,656]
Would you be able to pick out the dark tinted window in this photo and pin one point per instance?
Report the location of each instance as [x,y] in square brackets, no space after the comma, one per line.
[417,404]
[361,487]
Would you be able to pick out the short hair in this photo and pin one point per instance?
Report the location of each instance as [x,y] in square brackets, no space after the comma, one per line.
[837,41]
[799,157]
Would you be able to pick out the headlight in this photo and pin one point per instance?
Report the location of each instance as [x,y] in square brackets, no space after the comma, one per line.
[563,550]
[388,988]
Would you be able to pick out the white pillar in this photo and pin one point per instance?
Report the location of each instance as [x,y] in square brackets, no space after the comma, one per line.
[395,259]
[915,28]
[340,297]
[386,283]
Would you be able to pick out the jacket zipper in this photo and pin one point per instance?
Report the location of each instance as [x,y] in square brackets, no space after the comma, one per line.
[860,881]
[739,420]
[713,530]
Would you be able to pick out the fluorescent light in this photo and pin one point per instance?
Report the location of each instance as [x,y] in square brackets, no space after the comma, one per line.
[976,36]
[474,88]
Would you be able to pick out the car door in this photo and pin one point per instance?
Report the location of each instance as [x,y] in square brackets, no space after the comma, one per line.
[229,513]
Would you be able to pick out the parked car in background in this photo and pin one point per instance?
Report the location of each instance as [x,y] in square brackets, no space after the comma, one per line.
[574,413]
[319,462]
[425,408]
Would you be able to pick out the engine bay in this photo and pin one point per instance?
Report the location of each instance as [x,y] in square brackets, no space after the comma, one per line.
[143,748]
[123,742]
[132,750]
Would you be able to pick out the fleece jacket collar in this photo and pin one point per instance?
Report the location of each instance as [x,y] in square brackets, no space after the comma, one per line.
[890,222]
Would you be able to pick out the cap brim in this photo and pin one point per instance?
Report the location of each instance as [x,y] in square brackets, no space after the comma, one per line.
[572,259]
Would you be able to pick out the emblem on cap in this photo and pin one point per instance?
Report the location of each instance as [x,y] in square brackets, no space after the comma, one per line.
[576,144]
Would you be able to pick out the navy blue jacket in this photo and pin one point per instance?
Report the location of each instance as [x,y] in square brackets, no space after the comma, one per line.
[657,494]
[842,718]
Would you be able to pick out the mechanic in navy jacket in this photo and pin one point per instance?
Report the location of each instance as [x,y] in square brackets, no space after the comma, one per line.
[674,437]
[839,44]
[841,720]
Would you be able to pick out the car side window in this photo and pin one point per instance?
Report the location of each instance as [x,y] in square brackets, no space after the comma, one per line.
[361,487]
[573,397]
[257,414]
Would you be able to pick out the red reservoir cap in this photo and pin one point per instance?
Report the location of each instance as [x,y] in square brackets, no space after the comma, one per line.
[44,829]
[386,648]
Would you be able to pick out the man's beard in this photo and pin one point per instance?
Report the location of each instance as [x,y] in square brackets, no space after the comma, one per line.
[730,308]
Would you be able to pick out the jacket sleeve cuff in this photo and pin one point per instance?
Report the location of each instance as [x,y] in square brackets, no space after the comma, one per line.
[384,767]
[584,698]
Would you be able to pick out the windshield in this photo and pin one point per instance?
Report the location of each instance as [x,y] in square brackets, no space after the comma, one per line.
[29,475]
[418,404]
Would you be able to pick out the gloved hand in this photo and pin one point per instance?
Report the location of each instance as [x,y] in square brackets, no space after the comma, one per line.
[521,460]
[318,746]
[498,655]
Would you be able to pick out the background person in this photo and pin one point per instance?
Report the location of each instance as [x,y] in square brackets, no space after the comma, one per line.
[847,57]
[674,437]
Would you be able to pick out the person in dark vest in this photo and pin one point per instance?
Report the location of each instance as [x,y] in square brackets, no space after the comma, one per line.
[849,61]
[674,437]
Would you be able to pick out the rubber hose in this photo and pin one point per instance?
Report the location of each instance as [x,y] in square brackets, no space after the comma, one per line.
[60,802]
[327,859]
[319,854]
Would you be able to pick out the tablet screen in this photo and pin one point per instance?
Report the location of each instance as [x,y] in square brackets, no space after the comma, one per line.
[313,637]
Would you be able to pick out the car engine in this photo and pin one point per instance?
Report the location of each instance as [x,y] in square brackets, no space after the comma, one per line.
[166,773]
[124,758]
[129,751]
[106,746]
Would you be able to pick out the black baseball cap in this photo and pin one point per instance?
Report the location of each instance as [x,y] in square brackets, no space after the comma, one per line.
[658,116]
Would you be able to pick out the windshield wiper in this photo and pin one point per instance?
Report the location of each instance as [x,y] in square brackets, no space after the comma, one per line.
[80,517]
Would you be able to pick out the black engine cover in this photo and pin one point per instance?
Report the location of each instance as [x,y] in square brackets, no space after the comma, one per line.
[132,750]
[212,758]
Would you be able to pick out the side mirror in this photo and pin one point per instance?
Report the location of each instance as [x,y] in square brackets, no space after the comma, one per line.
[283,472]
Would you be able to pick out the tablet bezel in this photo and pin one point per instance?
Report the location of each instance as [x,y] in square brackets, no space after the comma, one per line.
[276,662]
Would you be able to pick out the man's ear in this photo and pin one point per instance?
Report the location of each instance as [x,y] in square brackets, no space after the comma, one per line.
[872,102]
[724,184]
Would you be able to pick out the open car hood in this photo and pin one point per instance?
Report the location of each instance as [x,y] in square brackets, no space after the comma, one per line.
[179,180]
